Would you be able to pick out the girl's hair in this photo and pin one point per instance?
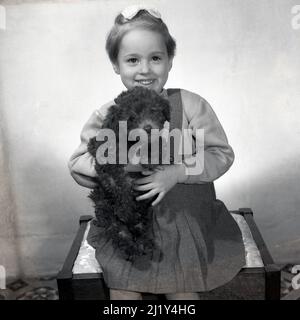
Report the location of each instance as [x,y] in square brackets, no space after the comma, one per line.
[143,19]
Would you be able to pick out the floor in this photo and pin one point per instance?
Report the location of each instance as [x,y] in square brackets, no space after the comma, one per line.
[45,288]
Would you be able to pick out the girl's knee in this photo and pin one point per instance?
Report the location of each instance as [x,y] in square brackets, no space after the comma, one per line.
[183,296]
[124,295]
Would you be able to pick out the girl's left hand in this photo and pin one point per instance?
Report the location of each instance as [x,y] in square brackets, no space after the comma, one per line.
[160,181]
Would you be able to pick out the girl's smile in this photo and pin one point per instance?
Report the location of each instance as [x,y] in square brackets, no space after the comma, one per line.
[143,60]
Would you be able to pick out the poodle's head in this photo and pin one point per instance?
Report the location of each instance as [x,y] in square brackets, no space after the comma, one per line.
[135,114]
[140,108]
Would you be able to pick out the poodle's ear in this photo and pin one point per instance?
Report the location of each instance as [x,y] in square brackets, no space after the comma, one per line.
[112,118]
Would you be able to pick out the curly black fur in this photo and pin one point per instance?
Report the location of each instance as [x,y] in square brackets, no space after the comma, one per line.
[127,221]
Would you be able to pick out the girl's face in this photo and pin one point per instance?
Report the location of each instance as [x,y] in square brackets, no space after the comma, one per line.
[143,60]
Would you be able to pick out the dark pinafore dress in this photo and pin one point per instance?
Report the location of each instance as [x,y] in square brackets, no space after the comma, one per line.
[201,245]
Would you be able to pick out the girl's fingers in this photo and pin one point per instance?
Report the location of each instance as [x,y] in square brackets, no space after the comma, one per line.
[147,172]
[143,180]
[144,187]
[147,195]
[158,199]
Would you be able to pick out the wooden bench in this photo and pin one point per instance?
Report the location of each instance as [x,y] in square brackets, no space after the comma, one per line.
[81,278]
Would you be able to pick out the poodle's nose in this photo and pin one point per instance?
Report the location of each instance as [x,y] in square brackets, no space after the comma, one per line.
[148,128]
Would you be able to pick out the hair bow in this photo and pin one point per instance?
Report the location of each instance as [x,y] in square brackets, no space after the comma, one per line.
[131,11]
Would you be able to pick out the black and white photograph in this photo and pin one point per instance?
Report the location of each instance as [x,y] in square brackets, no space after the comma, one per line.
[149,150]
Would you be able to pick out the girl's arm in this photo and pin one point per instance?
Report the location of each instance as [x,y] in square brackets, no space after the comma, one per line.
[82,163]
[218,154]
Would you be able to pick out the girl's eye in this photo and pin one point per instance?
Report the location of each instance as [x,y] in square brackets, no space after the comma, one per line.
[132,60]
[156,58]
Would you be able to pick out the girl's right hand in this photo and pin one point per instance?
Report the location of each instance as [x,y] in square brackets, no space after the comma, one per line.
[160,181]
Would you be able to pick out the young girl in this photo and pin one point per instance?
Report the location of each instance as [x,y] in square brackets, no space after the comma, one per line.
[201,243]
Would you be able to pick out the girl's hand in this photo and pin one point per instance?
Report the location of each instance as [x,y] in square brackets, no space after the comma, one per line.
[160,181]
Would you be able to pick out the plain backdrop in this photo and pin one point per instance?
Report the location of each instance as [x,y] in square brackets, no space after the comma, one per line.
[241,56]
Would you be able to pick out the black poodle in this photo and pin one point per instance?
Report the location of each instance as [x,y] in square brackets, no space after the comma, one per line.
[127,222]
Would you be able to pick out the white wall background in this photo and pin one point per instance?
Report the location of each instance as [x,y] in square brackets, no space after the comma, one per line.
[242,56]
